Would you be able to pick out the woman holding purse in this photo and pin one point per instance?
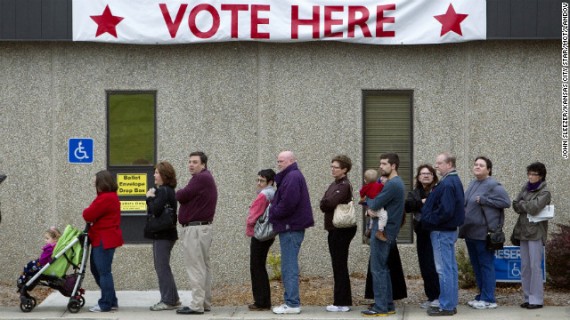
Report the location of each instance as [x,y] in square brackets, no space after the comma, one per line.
[339,192]
[258,250]
[485,201]
[163,241]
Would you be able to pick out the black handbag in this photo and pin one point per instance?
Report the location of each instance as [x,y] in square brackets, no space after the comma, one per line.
[165,221]
[495,237]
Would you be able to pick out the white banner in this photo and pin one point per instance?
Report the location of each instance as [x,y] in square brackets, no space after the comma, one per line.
[389,22]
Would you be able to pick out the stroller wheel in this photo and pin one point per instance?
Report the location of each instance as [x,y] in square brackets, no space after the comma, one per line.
[74,305]
[27,304]
[82,301]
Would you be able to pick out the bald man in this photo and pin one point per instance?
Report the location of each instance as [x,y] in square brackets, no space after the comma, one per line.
[290,214]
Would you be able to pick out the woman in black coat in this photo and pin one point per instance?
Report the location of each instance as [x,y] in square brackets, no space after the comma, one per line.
[163,242]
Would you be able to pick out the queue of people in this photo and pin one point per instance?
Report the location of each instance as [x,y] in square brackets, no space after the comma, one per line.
[442,212]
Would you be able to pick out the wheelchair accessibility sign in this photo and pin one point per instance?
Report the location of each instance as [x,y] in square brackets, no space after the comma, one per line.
[508,264]
[80,150]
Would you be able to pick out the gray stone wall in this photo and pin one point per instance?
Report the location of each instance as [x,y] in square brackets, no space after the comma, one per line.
[242,103]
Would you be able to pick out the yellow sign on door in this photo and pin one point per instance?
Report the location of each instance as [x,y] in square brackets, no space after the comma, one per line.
[133,205]
[131,184]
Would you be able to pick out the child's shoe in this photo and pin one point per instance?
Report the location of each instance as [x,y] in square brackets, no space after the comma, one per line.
[380,235]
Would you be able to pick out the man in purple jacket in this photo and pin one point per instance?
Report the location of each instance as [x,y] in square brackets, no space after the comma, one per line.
[196,213]
[290,214]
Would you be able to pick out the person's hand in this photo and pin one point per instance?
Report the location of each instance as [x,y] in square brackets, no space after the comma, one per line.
[371,213]
[478,199]
[424,200]
[150,192]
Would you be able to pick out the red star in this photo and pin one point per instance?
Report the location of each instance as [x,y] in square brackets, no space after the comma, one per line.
[107,22]
[451,21]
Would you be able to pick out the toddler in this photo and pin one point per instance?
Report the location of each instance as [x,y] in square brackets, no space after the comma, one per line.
[50,236]
[371,188]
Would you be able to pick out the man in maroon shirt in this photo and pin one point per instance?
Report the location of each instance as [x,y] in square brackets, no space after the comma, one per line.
[195,214]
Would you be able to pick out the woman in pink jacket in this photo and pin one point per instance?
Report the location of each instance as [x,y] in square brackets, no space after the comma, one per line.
[258,249]
[104,216]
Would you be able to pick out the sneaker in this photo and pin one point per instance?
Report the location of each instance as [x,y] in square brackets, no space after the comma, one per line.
[426,304]
[162,306]
[484,305]
[115,308]
[333,308]
[472,302]
[96,308]
[434,303]
[285,309]
[437,312]
[374,313]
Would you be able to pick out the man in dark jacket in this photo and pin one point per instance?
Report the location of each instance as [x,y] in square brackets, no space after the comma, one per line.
[443,213]
[198,201]
[290,214]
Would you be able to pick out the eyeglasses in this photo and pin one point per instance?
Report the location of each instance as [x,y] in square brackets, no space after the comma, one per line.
[426,174]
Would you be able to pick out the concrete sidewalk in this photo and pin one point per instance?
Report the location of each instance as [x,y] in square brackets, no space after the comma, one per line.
[135,305]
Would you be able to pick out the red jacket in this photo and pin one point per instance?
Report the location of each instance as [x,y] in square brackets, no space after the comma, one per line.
[104,214]
[370,190]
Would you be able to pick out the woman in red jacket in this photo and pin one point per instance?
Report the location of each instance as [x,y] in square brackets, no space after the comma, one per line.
[104,215]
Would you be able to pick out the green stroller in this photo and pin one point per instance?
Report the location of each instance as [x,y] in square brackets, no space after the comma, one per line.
[71,250]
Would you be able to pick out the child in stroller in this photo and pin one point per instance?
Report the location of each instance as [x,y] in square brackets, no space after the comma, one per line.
[72,249]
[31,268]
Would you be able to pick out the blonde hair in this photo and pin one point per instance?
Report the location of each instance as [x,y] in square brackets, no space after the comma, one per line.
[53,233]
[370,175]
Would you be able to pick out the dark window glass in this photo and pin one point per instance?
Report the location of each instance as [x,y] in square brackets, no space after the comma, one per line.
[387,126]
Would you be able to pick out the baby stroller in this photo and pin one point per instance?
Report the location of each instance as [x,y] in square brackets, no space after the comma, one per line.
[72,249]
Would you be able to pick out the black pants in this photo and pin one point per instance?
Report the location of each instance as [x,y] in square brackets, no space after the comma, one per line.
[259,278]
[339,243]
[399,288]
[427,264]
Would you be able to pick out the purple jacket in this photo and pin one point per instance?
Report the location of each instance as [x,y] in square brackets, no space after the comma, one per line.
[47,251]
[291,207]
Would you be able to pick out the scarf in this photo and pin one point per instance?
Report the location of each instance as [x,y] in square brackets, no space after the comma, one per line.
[532,186]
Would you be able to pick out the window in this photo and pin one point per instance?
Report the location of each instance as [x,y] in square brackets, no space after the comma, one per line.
[131,128]
[131,154]
[387,127]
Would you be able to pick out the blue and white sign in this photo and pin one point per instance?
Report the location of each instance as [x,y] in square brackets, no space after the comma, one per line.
[81,150]
[508,264]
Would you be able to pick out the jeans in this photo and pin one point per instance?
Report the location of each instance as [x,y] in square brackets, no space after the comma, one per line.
[339,243]
[483,262]
[381,280]
[290,242]
[258,271]
[161,250]
[427,265]
[443,243]
[101,261]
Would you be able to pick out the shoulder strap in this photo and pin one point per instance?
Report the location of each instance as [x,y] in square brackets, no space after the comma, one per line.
[501,221]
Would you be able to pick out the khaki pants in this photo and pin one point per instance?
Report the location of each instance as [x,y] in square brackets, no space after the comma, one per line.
[196,241]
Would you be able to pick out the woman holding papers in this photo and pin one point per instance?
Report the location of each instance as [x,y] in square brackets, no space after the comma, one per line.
[531,200]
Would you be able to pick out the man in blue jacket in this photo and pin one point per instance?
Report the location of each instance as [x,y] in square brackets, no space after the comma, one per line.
[290,214]
[443,213]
